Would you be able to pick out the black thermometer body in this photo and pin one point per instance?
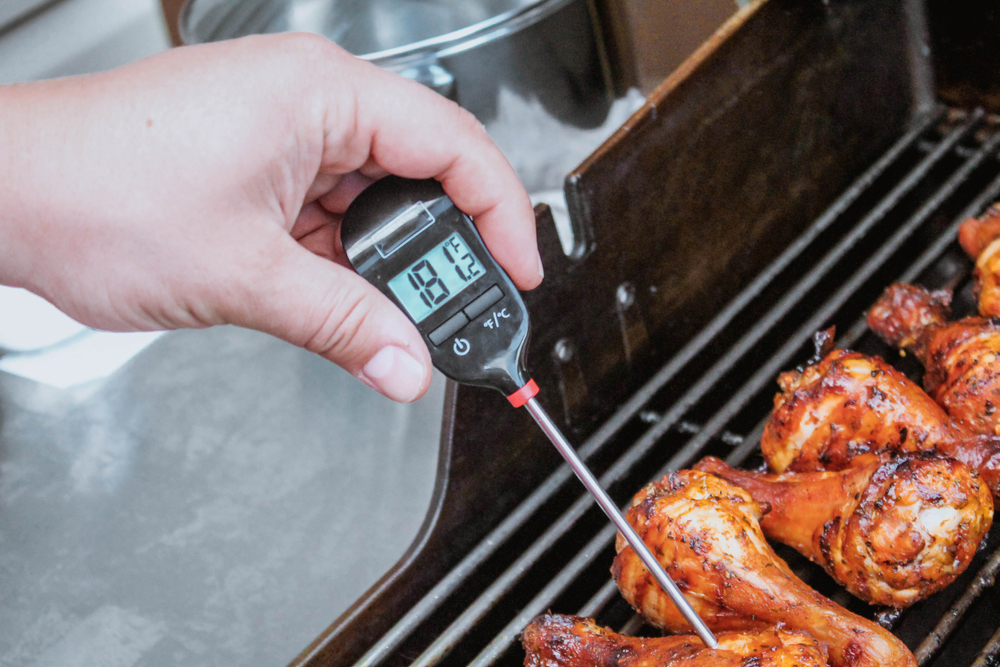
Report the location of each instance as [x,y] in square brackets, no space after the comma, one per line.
[408,239]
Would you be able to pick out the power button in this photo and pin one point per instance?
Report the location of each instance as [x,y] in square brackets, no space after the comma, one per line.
[451,327]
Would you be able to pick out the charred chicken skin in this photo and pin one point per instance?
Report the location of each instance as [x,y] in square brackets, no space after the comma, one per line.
[892,532]
[705,532]
[846,410]
[904,312]
[980,238]
[962,358]
[571,641]
[849,409]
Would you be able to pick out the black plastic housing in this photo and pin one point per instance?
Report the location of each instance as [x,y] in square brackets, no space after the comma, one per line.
[490,356]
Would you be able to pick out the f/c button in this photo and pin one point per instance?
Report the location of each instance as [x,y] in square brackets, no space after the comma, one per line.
[482,302]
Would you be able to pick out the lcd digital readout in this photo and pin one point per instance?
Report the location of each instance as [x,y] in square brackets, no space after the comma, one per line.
[434,279]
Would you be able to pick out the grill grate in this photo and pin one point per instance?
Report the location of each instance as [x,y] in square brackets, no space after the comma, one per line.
[897,221]
[984,579]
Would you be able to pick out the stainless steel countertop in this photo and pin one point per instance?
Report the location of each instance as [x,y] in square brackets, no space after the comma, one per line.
[224,496]
[219,500]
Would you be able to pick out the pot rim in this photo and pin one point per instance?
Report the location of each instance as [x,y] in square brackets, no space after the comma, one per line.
[442,46]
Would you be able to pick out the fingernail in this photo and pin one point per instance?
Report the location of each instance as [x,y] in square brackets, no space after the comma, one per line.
[395,374]
[541,269]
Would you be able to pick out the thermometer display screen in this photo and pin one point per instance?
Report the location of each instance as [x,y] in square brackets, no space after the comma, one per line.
[436,278]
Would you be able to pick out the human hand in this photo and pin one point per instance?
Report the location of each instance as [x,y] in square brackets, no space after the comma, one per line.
[206,185]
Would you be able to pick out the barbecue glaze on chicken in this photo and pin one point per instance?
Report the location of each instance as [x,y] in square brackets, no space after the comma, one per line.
[706,534]
[846,410]
[904,312]
[980,238]
[571,641]
[962,358]
[892,532]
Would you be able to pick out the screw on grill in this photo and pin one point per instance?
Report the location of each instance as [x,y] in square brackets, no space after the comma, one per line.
[572,385]
[635,337]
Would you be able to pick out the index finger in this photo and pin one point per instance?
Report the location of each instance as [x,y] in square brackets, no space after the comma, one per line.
[408,130]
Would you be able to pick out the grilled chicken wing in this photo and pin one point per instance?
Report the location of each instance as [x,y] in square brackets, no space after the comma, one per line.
[980,238]
[846,410]
[571,641]
[706,534]
[962,358]
[892,532]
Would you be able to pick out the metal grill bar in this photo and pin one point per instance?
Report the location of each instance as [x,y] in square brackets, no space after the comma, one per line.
[572,570]
[632,625]
[432,600]
[936,249]
[750,443]
[991,650]
[985,578]
[502,641]
[598,600]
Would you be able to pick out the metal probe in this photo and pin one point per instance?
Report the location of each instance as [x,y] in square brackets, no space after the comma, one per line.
[395,233]
[609,507]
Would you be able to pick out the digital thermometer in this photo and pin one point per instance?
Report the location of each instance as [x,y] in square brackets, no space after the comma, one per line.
[408,239]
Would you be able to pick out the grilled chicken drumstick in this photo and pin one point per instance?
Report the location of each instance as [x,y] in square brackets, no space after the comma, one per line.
[980,238]
[571,641]
[962,358]
[892,532]
[706,534]
[849,408]
[846,410]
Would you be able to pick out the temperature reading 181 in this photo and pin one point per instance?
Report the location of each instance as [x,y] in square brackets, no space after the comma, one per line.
[434,279]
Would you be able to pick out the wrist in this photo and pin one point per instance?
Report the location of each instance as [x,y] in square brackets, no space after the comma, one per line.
[23,156]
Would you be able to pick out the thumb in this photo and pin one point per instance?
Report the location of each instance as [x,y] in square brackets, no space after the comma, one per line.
[332,311]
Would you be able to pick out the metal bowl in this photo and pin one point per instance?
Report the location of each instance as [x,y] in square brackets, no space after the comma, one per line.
[377,30]
[513,63]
